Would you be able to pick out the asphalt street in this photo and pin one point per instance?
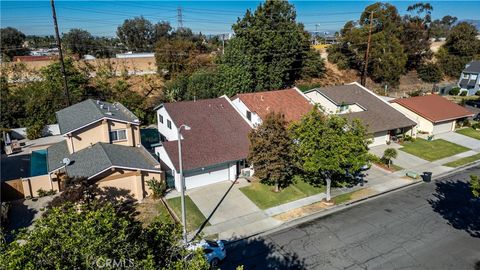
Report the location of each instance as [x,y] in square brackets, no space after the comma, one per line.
[429,226]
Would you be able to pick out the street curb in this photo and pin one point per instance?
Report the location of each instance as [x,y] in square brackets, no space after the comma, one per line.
[351,204]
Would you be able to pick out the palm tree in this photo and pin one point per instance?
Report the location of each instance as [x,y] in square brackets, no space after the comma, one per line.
[388,155]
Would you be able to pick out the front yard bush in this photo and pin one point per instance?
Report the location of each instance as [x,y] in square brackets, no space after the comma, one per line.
[158,187]
[454,91]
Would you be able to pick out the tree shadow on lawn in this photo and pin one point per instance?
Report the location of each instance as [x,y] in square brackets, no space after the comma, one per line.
[455,202]
[258,253]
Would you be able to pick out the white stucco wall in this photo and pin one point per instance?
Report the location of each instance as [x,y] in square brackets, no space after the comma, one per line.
[423,124]
[169,134]
[243,109]
[327,105]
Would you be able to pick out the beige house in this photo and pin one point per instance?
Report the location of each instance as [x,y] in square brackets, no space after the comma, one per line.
[102,144]
[353,101]
[434,114]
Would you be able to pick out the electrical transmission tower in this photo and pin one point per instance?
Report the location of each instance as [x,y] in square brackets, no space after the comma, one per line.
[179,18]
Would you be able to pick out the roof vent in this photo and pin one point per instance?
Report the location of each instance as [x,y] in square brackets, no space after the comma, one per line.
[98,101]
[109,113]
[261,98]
[101,106]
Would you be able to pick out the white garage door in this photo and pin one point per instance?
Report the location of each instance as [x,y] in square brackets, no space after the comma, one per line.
[443,127]
[379,138]
[206,177]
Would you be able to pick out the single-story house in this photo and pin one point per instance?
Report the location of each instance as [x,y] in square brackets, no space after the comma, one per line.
[354,101]
[291,103]
[469,81]
[213,150]
[434,114]
[102,144]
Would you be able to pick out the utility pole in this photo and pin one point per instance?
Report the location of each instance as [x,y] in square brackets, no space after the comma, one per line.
[223,43]
[179,18]
[365,67]
[60,54]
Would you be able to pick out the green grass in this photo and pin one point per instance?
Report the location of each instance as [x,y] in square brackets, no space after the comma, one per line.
[463,161]
[163,213]
[265,197]
[195,218]
[432,150]
[470,132]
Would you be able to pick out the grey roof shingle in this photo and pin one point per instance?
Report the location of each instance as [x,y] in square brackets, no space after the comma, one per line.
[99,157]
[378,115]
[472,67]
[90,111]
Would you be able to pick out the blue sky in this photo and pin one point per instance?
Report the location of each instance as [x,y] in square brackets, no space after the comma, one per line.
[101,18]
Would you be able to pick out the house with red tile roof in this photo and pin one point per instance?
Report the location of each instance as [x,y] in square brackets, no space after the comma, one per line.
[434,114]
[215,147]
[291,103]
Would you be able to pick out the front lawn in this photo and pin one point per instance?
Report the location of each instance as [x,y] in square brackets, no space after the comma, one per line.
[463,161]
[265,197]
[470,132]
[432,150]
[195,218]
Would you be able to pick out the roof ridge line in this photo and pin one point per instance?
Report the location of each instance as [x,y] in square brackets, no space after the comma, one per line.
[104,152]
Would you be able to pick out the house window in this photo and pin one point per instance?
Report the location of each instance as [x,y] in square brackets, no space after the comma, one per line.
[169,124]
[118,135]
[160,118]
[473,77]
[464,76]
[249,116]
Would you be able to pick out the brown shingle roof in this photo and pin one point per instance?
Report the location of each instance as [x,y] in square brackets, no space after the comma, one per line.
[288,102]
[378,115]
[218,133]
[434,108]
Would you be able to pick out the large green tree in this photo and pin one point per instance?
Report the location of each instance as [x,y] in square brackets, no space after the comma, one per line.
[137,34]
[440,28]
[271,152]
[387,58]
[268,51]
[329,146]
[94,236]
[461,47]
[11,42]
[79,41]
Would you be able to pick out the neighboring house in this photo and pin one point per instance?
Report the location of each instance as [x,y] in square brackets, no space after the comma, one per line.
[291,103]
[433,113]
[102,144]
[470,79]
[213,150]
[355,101]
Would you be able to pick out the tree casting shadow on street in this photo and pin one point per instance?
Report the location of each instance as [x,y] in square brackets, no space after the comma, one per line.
[258,253]
[455,202]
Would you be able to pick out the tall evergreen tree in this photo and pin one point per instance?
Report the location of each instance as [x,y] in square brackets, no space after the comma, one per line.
[269,49]
[271,152]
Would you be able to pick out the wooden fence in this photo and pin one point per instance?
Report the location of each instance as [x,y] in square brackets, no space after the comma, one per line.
[12,190]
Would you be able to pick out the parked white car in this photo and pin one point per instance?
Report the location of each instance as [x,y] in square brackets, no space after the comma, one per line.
[214,251]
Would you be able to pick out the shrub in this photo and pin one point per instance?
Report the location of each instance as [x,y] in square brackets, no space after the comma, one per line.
[454,91]
[477,93]
[158,187]
[430,72]
[463,93]
[476,126]
[43,193]
[34,131]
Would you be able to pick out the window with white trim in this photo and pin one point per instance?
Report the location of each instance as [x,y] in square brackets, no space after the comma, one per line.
[249,116]
[473,77]
[160,118]
[169,124]
[465,76]
[118,135]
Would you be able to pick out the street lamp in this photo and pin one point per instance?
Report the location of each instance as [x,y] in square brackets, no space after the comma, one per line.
[182,182]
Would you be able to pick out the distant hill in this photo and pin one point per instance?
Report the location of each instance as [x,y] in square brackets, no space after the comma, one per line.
[474,22]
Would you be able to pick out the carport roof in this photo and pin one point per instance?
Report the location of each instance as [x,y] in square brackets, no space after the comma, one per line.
[99,157]
[218,133]
[434,108]
[378,114]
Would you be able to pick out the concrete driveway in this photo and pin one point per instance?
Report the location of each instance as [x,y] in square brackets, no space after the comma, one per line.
[234,205]
[460,140]
[404,160]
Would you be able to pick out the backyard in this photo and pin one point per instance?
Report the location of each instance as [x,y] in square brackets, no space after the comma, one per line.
[470,132]
[432,150]
[265,197]
[195,218]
